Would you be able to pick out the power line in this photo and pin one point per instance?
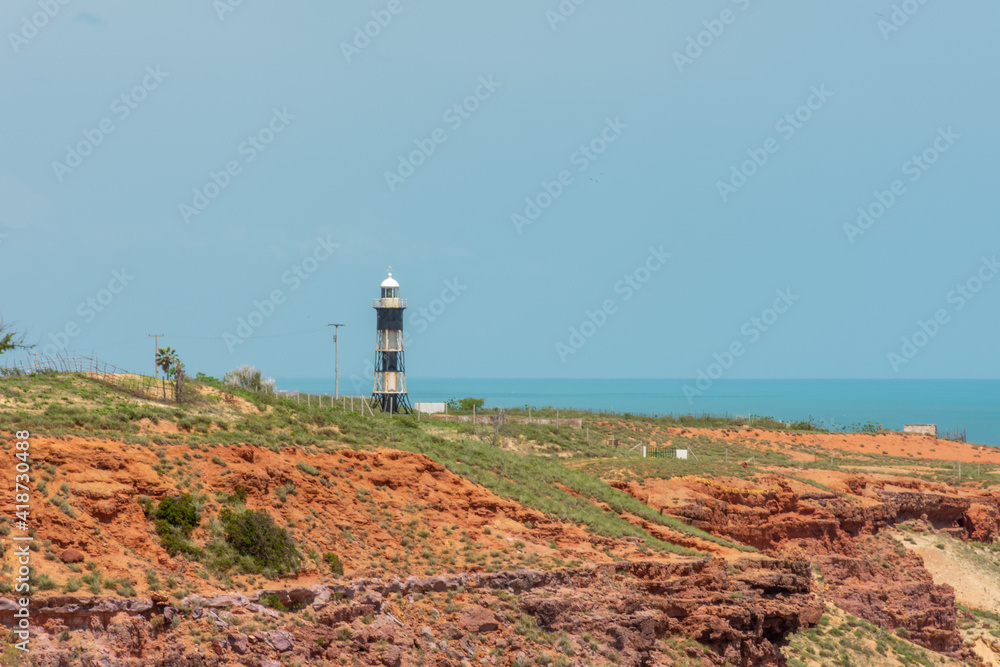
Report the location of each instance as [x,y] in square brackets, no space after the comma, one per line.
[141,336]
[156,346]
[281,335]
[121,342]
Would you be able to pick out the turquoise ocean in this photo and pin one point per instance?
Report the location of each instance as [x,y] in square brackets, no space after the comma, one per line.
[972,405]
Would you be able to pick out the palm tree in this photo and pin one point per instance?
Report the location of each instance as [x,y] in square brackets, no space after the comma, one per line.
[166,357]
[10,339]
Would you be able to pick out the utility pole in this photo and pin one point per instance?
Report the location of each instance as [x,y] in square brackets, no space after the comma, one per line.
[336,360]
[156,346]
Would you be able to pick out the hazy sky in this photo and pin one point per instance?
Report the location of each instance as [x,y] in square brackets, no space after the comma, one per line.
[675,170]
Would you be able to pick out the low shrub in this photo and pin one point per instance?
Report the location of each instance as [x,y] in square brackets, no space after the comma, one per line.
[175,519]
[255,535]
[336,566]
[273,601]
[307,469]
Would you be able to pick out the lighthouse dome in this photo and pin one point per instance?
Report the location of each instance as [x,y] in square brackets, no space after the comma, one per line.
[389,282]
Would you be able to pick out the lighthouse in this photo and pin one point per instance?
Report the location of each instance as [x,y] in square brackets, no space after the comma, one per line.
[389,391]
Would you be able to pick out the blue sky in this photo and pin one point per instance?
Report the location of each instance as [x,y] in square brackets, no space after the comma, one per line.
[217,156]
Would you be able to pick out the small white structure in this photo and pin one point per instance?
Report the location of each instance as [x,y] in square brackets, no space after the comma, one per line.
[922,429]
[682,453]
[430,408]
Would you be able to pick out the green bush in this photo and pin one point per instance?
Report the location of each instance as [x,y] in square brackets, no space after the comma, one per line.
[181,512]
[146,503]
[175,519]
[255,535]
[466,404]
[307,469]
[273,601]
[250,379]
[336,566]
[93,581]
[283,491]
[238,496]
[64,506]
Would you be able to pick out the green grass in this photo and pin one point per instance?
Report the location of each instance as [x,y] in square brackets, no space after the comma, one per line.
[532,481]
[805,480]
[562,477]
[63,506]
[853,641]
[529,480]
[307,469]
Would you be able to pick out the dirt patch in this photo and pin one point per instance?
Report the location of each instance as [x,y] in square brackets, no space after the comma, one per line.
[231,400]
[971,572]
[889,443]
[162,426]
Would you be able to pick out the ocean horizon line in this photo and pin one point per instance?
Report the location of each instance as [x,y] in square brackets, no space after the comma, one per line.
[955,405]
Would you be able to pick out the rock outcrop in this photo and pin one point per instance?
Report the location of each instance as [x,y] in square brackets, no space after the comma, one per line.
[864,572]
[741,613]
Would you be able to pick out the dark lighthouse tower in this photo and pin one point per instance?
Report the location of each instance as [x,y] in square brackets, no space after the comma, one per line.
[389,392]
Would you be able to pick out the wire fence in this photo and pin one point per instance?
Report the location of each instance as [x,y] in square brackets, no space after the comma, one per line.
[145,386]
[361,404]
[133,383]
[958,435]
